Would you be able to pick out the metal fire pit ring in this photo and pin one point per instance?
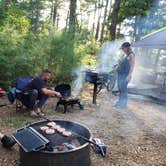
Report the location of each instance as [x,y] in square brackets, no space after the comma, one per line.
[73,157]
[77,148]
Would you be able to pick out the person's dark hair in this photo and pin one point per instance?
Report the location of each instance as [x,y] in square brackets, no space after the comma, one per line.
[125,45]
[46,71]
[128,46]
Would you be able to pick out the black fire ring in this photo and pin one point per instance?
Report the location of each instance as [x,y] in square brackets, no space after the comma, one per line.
[73,157]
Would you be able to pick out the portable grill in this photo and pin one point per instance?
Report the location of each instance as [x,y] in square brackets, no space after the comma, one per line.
[97,79]
[94,77]
[44,157]
[67,99]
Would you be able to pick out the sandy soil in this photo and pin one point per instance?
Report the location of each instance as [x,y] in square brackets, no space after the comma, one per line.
[135,136]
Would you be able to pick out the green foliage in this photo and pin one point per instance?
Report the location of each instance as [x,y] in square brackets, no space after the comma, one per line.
[27,55]
[16,18]
[130,8]
[3,12]
[155,19]
[12,57]
[87,47]
[61,56]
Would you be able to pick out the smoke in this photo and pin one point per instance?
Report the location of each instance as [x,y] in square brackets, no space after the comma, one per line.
[146,66]
[77,84]
[109,55]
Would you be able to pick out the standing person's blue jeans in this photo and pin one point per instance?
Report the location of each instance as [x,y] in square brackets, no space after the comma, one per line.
[123,94]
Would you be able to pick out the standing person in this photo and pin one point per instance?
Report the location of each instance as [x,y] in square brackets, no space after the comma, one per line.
[37,91]
[6,141]
[125,69]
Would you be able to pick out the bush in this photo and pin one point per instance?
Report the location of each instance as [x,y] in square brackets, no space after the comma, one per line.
[87,47]
[22,56]
[61,58]
[11,59]
[27,55]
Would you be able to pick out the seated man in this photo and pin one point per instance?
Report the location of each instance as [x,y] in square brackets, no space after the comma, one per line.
[7,142]
[36,90]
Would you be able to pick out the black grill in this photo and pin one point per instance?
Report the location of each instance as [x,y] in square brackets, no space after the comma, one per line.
[67,99]
[96,79]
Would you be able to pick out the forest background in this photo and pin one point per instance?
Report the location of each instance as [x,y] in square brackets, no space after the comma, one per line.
[62,35]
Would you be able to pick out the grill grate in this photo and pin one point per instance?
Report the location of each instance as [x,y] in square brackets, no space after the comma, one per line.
[57,138]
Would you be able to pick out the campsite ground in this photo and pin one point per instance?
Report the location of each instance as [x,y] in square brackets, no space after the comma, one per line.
[135,136]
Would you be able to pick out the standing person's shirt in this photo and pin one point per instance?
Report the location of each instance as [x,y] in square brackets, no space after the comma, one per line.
[37,83]
[124,66]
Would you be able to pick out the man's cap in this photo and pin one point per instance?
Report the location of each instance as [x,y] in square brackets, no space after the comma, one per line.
[125,45]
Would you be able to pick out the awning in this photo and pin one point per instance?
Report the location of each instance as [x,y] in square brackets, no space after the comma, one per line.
[155,40]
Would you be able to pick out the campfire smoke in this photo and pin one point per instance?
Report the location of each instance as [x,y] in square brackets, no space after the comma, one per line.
[109,55]
[77,84]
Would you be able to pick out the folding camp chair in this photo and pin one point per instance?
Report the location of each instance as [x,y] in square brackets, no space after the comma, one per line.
[20,84]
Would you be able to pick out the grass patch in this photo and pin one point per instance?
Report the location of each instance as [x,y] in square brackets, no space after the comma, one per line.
[17,122]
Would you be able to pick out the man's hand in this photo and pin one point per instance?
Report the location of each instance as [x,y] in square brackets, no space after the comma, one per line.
[50,92]
[58,94]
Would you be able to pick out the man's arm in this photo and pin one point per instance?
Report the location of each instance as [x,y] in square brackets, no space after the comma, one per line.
[132,64]
[1,136]
[50,92]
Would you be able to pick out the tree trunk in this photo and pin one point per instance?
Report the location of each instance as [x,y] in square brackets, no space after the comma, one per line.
[67,20]
[52,10]
[104,21]
[94,18]
[57,21]
[114,19]
[136,26]
[36,24]
[54,13]
[72,17]
[99,18]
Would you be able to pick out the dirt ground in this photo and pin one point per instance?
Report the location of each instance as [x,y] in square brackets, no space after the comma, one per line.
[135,136]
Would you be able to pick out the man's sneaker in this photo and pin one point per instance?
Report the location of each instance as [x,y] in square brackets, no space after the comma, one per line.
[7,142]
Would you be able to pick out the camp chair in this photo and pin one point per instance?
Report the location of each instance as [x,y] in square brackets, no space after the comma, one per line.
[20,84]
[67,99]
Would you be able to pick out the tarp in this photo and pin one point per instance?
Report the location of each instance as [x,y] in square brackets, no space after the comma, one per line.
[155,40]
